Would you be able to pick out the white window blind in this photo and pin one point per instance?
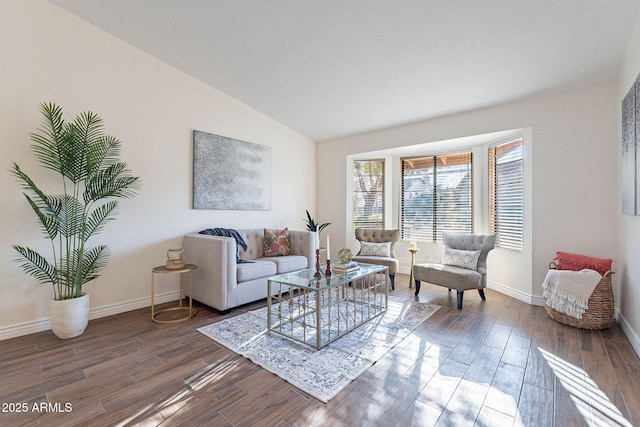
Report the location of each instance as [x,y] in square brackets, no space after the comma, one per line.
[437,196]
[368,193]
[506,194]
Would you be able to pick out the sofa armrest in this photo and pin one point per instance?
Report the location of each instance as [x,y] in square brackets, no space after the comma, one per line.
[216,274]
[303,243]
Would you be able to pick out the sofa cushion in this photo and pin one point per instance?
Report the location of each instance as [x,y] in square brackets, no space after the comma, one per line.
[285,264]
[255,244]
[255,270]
[449,276]
[276,243]
[392,263]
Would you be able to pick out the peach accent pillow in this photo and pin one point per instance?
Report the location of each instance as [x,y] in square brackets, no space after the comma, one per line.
[576,262]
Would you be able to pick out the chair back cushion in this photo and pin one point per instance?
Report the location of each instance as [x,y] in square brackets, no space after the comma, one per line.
[471,242]
[377,235]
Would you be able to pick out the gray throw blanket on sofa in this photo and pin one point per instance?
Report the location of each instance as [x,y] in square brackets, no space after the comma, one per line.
[228,232]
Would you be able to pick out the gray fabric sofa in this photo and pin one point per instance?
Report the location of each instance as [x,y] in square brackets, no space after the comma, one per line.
[222,283]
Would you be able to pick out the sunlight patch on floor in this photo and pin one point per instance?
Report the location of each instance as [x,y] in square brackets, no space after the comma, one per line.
[591,402]
[182,399]
[212,374]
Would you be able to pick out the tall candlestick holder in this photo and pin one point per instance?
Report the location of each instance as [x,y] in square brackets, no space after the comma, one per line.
[328,272]
[317,274]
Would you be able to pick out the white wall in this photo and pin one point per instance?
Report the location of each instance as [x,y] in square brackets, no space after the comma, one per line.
[628,268]
[571,161]
[47,54]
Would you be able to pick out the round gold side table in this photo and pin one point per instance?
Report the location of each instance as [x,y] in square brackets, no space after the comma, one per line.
[188,268]
[413,260]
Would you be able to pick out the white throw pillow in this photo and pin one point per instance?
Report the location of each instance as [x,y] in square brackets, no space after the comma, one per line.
[460,258]
[375,249]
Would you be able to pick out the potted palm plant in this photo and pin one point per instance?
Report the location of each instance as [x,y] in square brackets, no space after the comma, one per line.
[91,178]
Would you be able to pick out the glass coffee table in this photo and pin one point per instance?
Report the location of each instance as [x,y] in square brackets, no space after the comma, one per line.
[318,310]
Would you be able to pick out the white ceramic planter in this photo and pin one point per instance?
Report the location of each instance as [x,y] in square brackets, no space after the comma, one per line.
[69,318]
[316,239]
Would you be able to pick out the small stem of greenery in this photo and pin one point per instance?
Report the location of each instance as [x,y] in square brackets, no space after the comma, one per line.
[312,225]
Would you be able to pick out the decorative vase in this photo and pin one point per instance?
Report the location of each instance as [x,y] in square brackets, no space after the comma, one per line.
[316,239]
[345,255]
[175,258]
[69,317]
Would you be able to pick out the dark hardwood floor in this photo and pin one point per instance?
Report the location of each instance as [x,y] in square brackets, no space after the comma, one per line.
[494,363]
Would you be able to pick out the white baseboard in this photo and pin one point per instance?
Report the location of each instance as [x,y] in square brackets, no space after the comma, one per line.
[629,332]
[404,270]
[40,325]
[514,293]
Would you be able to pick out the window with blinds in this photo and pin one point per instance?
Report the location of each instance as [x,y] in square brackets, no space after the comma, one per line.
[506,194]
[368,193]
[437,196]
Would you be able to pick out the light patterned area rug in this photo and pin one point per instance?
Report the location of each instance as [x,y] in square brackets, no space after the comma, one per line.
[321,373]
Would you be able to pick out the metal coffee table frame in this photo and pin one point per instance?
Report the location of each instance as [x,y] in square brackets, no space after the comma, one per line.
[345,301]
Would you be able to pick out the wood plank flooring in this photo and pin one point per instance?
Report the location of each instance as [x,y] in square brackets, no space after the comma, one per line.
[494,363]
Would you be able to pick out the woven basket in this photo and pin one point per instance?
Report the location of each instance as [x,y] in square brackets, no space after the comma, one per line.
[599,315]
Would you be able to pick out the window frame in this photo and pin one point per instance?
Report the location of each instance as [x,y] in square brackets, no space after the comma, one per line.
[378,193]
[436,226]
[513,235]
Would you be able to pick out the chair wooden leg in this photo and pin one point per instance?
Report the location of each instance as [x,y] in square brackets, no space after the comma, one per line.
[417,287]
[460,293]
[393,281]
[481,292]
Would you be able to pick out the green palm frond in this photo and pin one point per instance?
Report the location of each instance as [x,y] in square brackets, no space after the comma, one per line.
[71,216]
[85,131]
[84,266]
[88,128]
[102,153]
[43,200]
[48,220]
[94,261]
[114,181]
[98,218]
[45,207]
[36,265]
[50,139]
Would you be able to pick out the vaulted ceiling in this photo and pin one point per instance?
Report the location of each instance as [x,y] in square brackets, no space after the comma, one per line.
[329,68]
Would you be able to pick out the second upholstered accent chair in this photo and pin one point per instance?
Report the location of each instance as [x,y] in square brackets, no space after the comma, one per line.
[376,247]
[463,267]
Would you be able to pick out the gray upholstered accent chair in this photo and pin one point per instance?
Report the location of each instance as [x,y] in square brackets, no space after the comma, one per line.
[458,270]
[380,252]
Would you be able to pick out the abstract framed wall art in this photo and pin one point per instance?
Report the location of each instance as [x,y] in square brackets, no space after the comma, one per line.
[631,150]
[229,174]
